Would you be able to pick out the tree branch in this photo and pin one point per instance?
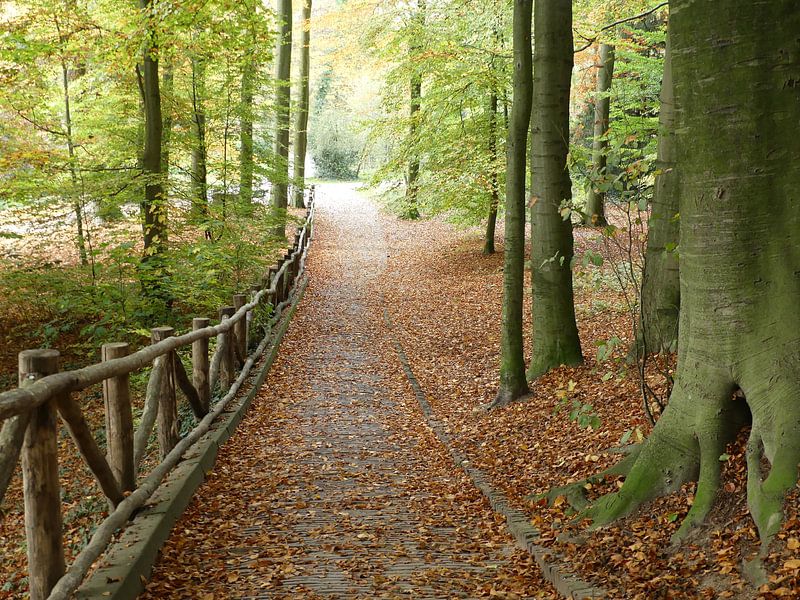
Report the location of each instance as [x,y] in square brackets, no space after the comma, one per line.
[593,39]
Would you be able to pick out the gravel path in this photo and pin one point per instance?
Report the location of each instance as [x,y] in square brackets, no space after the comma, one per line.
[333,487]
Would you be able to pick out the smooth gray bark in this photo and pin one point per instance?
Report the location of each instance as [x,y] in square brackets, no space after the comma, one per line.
[512,359]
[283,68]
[595,213]
[660,285]
[555,333]
[301,114]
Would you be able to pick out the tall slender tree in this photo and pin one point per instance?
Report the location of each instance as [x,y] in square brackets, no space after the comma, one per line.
[512,359]
[301,114]
[555,333]
[283,68]
[595,211]
[415,104]
[199,150]
[153,206]
[77,204]
[494,177]
[246,165]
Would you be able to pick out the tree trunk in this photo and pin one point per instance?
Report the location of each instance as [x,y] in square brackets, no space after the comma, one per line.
[246,139]
[167,87]
[199,169]
[494,202]
[283,63]
[512,359]
[660,285]
[415,103]
[737,150]
[301,124]
[154,208]
[76,201]
[555,334]
[595,213]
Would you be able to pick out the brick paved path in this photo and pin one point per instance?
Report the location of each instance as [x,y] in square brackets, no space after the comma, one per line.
[333,487]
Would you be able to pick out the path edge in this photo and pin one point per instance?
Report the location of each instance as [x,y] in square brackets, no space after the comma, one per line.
[525,535]
[129,561]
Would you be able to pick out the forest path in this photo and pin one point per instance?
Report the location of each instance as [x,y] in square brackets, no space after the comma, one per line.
[333,486]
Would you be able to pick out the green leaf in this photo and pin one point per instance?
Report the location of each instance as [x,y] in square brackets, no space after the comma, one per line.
[724,457]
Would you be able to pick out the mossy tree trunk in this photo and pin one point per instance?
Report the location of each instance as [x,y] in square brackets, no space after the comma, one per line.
[283,68]
[595,212]
[738,155]
[660,284]
[513,384]
[167,89]
[301,114]
[153,270]
[555,333]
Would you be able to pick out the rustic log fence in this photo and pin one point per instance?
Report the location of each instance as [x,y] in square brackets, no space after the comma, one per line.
[29,415]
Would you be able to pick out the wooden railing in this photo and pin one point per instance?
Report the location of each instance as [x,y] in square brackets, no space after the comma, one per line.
[30,414]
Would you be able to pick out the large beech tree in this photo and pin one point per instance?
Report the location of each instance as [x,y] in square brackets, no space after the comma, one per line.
[738,158]
[512,359]
[555,333]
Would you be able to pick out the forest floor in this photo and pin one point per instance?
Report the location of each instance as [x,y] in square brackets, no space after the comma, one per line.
[336,399]
[334,482]
[47,249]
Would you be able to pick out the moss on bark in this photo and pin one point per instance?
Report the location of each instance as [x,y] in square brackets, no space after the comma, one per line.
[738,154]
[555,333]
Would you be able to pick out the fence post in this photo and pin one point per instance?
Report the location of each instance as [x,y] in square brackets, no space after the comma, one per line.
[119,421]
[200,365]
[43,523]
[251,314]
[287,280]
[227,370]
[168,426]
[241,327]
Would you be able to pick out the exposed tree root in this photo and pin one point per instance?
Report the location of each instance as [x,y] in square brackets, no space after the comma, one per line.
[575,492]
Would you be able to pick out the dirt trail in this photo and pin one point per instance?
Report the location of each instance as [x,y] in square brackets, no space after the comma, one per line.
[333,486]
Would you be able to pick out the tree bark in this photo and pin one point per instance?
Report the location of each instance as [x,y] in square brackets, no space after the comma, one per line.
[595,213]
[512,359]
[737,151]
[246,137]
[283,64]
[301,124]
[415,104]
[199,168]
[555,333]
[167,87]
[153,207]
[494,178]
[76,202]
[660,285]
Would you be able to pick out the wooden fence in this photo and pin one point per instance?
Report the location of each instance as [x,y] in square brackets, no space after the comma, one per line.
[29,414]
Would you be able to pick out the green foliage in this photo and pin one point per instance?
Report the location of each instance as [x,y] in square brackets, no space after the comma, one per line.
[579,412]
[633,124]
[461,52]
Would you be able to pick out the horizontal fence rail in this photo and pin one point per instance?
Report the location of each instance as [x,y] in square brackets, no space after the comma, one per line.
[29,415]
